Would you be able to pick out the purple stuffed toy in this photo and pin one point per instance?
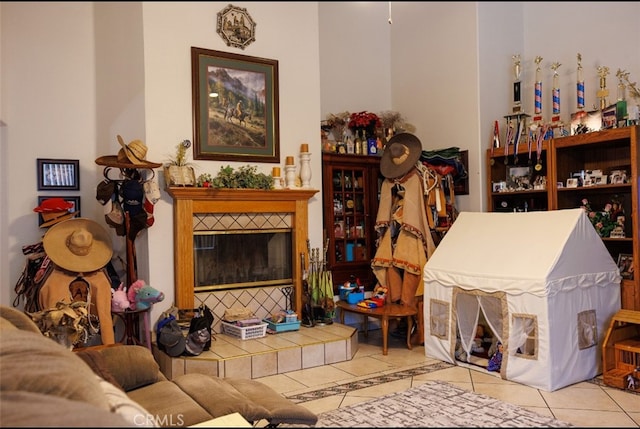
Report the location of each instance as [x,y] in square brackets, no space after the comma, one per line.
[496,360]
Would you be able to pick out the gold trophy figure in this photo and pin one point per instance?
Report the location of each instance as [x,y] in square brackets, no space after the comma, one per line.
[622,88]
[603,92]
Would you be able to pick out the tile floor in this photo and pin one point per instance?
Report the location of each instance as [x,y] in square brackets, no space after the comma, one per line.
[328,387]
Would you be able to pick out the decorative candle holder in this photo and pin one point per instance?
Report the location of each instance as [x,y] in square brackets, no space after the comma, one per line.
[305,169]
[290,176]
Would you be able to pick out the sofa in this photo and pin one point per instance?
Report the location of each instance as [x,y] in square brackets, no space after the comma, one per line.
[44,384]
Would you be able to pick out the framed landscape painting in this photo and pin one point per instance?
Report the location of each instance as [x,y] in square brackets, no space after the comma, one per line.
[235,107]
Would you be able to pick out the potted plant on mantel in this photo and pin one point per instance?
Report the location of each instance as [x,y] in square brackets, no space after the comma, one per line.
[178,172]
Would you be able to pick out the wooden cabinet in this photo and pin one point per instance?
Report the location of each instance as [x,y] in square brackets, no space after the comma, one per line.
[609,150]
[351,191]
[564,158]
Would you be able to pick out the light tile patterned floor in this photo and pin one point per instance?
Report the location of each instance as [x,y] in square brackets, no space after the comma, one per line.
[370,374]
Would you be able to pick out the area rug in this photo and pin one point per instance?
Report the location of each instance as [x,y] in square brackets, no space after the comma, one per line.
[435,404]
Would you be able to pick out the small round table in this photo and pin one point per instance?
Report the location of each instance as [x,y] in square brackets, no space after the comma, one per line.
[383,313]
[131,320]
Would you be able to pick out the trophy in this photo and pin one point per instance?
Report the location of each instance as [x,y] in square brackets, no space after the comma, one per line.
[517,70]
[555,93]
[622,88]
[580,84]
[516,121]
[538,92]
[621,103]
[555,118]
[603,92]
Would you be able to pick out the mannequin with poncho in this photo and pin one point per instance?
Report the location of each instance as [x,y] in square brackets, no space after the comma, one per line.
[404,238]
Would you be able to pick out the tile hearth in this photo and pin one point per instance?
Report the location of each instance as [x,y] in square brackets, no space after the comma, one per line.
[270,355]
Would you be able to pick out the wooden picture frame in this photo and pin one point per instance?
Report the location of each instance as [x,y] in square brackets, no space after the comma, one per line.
[625,265]
[235,107]
[75,200]
[58,174]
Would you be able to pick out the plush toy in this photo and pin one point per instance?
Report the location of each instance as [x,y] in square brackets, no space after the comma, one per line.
[142,296]
[119,299]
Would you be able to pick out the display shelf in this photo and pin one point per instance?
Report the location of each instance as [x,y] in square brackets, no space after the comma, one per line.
[613,152]
[351,191]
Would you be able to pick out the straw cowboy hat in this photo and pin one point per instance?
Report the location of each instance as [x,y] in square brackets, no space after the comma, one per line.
[400,155]
[79,245]
[132,155]
[135,151]
[54,210]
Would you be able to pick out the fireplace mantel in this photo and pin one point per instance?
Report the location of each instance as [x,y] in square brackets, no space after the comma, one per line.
[189,200]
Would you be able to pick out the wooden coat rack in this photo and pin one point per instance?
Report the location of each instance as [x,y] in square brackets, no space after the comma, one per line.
[130,172]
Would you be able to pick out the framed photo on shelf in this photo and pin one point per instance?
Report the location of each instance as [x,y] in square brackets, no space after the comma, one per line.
[572,183]
[625,265]
[519,178]
[75,200]
[235,107]
[58,174]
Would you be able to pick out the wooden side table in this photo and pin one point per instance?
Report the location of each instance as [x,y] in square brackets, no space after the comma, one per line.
[131,320]
[383,313]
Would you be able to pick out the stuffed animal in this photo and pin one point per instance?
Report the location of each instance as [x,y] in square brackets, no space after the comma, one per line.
[119,299]
[142,296]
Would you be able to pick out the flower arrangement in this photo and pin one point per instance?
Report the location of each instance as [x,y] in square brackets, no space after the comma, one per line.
[603,221]
[204,180]
[394,121]
[364,121]
[181,154]
[336,123]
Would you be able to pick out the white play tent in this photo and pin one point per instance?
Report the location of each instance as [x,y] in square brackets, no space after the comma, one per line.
[544,282]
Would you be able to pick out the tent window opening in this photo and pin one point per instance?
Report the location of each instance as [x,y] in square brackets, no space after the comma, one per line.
[439,319]
[524,336]
[587,329]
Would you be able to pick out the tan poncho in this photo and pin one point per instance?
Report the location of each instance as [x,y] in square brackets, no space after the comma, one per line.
[414,244]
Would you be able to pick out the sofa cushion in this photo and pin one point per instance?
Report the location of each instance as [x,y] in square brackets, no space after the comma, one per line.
[121,404]
[132,366]
[34,363]
[282,409]
[169,405]
[227,399]
[95,360]
[30,409]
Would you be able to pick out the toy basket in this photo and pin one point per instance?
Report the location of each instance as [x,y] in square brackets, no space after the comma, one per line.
[245,332]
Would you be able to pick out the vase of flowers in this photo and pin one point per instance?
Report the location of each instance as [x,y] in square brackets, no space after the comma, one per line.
[364,123]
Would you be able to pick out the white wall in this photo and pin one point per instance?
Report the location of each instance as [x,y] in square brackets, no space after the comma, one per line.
[72,81]
[76,74]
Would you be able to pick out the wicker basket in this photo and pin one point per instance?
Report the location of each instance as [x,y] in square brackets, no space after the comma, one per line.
[245,332]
